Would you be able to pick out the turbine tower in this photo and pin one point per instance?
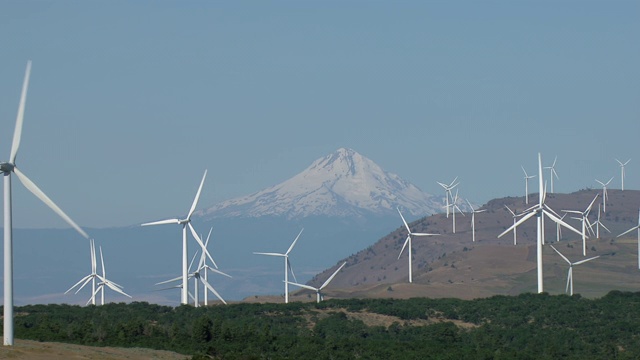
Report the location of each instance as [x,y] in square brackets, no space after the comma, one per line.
[552,172]
[186,222]
[454,206]
[538,211]
[318,290]
[630,230]
[287,266]
[604,193]
[408,241]
[622,165]
[89,278]
[526,184]
[7,168]
[473,220]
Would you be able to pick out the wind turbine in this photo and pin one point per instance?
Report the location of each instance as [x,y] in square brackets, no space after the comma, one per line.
[622,165]
[318,290]
[569,287]
[538,211]
[630,230]
[89,278]
[552,172]
[599,223]
[447,192]
[584,219]
[7,168]
[105,282]
[287,266]
[526,184]
[454,206]
[203,269]
[515,235]
[408,241]
[604,193]
[473,220]
[186,222]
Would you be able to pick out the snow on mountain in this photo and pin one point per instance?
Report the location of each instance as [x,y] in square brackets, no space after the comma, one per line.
[342,184]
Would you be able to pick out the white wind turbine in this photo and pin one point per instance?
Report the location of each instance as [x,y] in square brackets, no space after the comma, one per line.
[473,220]
[105,282]
[454,206]
[7,168]
[637,227]
[92,277]
[526,184]
[447,192]
[622,165]
[552,172]
[287,266]
[318,290]
[515,217]
[584,219]
[604,193]
[599,223]
[569,287]
[186,222]
[538,211]
[408,241]
[202,273]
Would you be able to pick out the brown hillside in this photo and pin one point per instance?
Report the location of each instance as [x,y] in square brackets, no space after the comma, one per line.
[451,265]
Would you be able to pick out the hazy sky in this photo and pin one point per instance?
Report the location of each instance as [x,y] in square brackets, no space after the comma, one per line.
[130,101]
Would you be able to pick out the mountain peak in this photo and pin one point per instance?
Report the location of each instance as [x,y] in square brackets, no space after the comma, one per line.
[343,183]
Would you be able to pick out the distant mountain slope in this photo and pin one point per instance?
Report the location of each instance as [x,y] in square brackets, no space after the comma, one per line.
[451,265]
[341,184]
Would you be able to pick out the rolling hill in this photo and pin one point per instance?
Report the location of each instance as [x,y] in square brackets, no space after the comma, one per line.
[451,265]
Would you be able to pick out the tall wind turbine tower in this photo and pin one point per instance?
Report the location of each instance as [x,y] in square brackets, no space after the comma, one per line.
[186,222]
[622,165]
[287,266]
[7,168]
[473,220]
[408,241]
[526,184]
[538,211]
[552,172]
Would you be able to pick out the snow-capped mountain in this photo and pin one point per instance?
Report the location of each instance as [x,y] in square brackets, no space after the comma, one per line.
[342,184]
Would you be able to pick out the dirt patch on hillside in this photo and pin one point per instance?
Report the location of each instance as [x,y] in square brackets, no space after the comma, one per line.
[373,319]
[34,350]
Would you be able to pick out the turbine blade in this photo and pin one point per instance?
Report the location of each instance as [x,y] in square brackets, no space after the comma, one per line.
[162,222]
[332,276]
[116,289]
[559,253]
[404,221]
[45,199]
[212,290]
[17,133]
[294,242]
[78,283]
[204,248]
[170,280]
[290,268]
[302,285]
[591,204]
[585,260]
[405,245]
[511,211]
[195,200]
[424,234]
[558,220]
[517,223]
[630,230]
[269,254]
[88,279]
[218,272]
[104,271]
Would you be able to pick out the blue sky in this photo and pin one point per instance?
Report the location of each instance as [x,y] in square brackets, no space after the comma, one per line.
[130,101]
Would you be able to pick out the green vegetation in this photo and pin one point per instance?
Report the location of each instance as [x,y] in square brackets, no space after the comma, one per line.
[527,326]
